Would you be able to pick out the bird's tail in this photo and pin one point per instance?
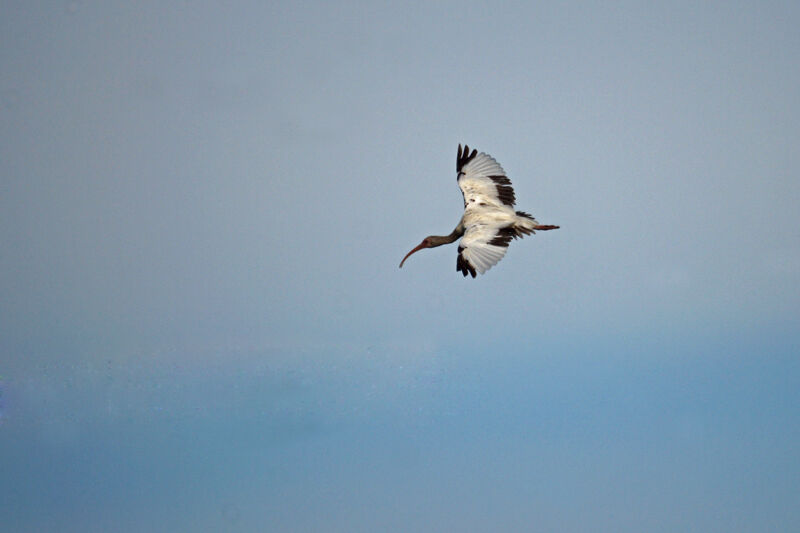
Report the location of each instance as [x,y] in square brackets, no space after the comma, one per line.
[526,224]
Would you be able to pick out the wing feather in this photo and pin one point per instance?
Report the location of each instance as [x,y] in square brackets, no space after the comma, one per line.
[478,251]
[482,180]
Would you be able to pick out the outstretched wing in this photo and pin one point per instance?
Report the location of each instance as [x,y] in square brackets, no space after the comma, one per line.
[482,246]
[482,180]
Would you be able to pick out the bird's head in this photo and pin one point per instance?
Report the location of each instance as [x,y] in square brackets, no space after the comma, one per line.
[427,242]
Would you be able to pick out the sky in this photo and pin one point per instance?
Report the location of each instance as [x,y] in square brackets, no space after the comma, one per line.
[203,326]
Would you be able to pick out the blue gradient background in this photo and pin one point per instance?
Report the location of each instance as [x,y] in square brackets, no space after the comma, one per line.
[202,322]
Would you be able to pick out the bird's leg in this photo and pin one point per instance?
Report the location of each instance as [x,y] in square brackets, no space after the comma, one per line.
[544,227]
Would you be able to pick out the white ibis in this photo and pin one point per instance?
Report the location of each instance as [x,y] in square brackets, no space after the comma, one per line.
[489,221]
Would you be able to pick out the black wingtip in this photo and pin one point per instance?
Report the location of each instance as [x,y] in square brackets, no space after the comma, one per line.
[463,266]
[464,156]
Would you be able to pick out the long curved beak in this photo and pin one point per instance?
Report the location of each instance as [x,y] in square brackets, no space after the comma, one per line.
[418,248]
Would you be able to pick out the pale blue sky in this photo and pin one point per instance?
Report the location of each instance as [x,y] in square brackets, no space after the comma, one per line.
[202,210]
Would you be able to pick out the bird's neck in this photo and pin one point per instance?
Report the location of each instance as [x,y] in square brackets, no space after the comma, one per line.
[438,240]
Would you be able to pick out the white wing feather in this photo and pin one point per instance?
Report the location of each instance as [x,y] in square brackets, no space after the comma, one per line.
[476,249]
[478,186]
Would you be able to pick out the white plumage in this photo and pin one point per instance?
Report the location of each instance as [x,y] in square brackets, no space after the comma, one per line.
[476,185]
[475,247]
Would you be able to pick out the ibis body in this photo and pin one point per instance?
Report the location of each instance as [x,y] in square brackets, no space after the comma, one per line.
[489,222]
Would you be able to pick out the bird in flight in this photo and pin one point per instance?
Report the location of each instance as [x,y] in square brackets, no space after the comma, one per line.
[489,221]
